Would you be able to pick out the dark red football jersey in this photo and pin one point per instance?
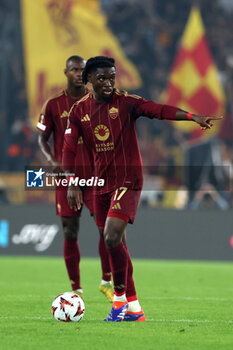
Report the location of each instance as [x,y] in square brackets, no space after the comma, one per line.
[53,120]
[109,129]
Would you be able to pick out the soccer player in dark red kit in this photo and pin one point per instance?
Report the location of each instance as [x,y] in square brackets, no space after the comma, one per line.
[110,132]
[53,120]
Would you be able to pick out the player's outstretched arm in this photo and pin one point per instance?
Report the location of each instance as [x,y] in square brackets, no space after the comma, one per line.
[155,110]
[205,121]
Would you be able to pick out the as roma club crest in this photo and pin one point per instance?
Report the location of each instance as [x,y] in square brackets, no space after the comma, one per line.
[113,112]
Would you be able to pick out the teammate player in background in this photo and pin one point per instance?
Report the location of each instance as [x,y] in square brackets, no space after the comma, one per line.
[53,120]
[110,133]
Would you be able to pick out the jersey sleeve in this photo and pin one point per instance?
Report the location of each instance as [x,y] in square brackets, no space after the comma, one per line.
[150,109]
[72,133]
[45,123]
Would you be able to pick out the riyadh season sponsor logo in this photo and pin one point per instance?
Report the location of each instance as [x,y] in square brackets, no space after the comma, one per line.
[101,132]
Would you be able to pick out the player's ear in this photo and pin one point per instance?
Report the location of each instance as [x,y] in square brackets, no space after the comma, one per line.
[65,71]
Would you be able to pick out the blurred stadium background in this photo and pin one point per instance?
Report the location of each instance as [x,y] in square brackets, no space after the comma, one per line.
[175,52]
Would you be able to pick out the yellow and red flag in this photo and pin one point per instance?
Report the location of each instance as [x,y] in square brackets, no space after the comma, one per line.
[194,83]
[54,30]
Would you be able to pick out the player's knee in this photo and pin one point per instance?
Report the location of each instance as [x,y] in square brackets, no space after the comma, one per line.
[70,234]
[112,237]
[70,228]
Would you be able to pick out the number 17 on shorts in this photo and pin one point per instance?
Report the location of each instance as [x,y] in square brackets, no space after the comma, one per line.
[124,202]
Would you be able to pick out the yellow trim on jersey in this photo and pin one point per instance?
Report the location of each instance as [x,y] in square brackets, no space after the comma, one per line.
[84,98]
[50,99]
[125,93]
[121,92]
[135,96]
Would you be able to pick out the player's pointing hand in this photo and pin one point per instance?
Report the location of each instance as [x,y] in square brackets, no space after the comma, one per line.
[205,121]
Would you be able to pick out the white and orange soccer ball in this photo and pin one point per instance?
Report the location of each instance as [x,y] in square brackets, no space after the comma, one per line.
[68,307]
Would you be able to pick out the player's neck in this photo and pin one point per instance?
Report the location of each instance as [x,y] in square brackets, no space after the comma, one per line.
[76,92]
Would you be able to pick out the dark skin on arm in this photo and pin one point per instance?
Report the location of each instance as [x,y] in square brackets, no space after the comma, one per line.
[47,152]
[205,121]
[74,191]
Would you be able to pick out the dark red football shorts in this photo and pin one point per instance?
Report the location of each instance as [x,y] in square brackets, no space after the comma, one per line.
[62,206]
[121,203]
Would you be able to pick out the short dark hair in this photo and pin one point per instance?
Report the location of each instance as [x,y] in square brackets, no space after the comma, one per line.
[74,58]
[97,62]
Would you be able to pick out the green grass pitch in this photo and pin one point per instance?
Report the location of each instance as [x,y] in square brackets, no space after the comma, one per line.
[188,305]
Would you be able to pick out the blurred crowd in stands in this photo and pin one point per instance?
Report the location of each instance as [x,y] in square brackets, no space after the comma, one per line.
[149,32]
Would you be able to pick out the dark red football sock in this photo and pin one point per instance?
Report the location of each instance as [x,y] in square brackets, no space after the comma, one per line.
[119,266]
[72,258]
[130,290]
[104,258]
